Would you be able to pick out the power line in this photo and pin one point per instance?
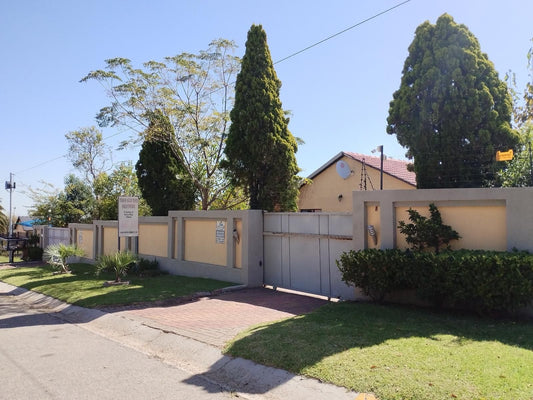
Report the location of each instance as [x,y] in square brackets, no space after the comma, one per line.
[343,31]
[277,62]
[63,156]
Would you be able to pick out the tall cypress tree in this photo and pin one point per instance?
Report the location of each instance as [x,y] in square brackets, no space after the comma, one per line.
[451,112]
[260,150]
[162,180]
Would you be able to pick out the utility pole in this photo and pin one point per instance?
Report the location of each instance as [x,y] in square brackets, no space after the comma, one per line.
[380,148]
[530,166]
[10,186]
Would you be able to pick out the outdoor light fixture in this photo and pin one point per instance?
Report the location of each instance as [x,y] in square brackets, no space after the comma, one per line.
[339,197]
[372,233]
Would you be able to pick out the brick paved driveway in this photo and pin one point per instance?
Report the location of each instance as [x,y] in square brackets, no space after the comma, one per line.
[216,319]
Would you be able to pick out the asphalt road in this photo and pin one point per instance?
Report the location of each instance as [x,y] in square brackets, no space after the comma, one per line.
[43,357]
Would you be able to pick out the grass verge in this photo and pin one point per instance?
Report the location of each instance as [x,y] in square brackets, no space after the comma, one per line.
[85,289]
[5,258]
[398,352]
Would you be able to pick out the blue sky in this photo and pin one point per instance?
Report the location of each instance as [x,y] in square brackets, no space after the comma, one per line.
[338,92]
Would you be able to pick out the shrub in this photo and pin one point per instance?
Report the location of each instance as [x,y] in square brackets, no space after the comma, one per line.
[376,272]
[35,253]
[57,254]
[481,281]
[145,267]
[429,232]
[486,282]
[118,263]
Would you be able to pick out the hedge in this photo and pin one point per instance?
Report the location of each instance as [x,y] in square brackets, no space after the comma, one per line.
[483,281]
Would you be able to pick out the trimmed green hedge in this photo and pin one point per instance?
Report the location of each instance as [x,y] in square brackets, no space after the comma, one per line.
[482,281]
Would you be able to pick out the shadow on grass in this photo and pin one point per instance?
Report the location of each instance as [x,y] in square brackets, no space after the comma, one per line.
[338,327]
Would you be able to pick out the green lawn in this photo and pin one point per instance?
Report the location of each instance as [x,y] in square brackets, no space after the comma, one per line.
[399,352]
[85,289]
[5,258]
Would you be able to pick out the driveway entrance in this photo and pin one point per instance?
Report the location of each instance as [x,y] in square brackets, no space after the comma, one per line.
[217,319]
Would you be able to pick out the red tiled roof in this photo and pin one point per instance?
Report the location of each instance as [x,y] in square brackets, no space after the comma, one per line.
[396,168]
[392,167]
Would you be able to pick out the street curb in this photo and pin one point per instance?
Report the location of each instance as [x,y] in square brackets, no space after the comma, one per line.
[244,377]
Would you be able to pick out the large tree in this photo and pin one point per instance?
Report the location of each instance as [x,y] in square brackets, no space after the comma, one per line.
[195,92]
[451,112]
[260,149]
[163,180]
[88,152]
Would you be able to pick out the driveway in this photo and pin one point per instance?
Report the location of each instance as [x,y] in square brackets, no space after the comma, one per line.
[214,320]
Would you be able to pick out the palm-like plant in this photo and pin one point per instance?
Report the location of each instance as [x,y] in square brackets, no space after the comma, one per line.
[3,221]
[56,255]
[118,262]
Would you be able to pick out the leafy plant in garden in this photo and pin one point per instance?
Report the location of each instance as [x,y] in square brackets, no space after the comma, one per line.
[118,262]
[57,254]
[376,272]
[425,232]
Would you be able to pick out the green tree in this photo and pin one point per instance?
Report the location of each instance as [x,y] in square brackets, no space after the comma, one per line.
[451,112]
[88,152]
[260,148]
[73,204]
[195,92]
[523,102]
[519,171]
[162,178]
[108,188]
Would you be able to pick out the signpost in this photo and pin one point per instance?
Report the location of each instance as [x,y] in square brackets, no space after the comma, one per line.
[504,155]
[128,217]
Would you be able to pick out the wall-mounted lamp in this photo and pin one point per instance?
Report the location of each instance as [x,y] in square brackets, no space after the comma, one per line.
[373,234]
[339,197]
[236,235]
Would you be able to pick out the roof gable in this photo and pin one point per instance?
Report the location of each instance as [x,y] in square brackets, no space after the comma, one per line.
[392,167]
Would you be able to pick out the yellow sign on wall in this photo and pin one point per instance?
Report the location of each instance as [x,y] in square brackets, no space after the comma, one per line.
[504,155]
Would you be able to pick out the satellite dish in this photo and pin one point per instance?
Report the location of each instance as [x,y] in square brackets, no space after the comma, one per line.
[343,169]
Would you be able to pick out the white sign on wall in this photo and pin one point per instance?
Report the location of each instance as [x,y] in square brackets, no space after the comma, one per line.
[128,216]
[220,233]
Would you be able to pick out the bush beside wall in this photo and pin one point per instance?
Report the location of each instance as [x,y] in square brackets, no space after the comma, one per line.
[481,281]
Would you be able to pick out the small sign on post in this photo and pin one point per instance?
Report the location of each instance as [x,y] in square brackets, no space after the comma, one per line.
[128,216]
[504,155]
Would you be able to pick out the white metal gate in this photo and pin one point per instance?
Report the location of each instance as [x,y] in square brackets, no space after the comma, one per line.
[300,252]
[52,236]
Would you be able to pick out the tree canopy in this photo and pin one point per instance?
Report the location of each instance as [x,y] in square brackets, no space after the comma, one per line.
[194,91]
[260,149]
[519,171]
[73,204]
[88,152]
[163,180]
[451,112]
[108,188]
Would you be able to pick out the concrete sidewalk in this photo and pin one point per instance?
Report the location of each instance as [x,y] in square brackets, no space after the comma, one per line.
[190,335]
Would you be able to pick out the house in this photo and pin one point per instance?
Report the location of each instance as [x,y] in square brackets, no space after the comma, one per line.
[332,184]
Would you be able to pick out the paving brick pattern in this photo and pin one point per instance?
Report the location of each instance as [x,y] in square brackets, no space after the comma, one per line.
[217,319]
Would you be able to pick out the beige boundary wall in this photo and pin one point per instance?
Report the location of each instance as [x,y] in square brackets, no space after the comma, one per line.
[300,249]
[224,245]
[488,219]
